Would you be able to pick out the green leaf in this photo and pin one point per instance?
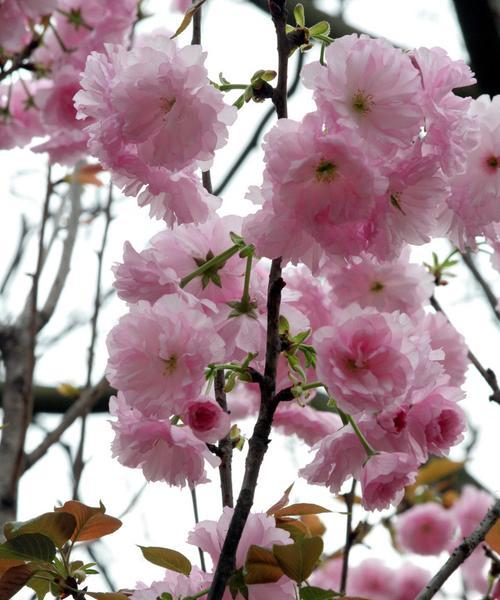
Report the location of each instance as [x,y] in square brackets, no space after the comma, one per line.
[166,596]
[29,546]
[41,587]
[108,595]
[298,560]
[316,593]
[298,13]
[237,585]
[13,580]
[188,15]
[321,28]
[57,526]
[167,558]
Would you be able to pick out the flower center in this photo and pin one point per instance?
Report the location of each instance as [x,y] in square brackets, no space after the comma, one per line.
[377,286]
[166,105]
[362,103]
[326,171]
[170,365]
[493,162]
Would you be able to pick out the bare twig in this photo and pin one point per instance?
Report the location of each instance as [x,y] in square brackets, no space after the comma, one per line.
[476,273]
[81,406]
[78,463]
[487,374]
[18,255]
[225,447]
[349,538]
[461,553]
[194,501]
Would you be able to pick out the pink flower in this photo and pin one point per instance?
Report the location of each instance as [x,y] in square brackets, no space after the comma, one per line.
[425,529]
[260,530]
[163,451]
[154,130]
[158,353]
[371,88]
[445,337]
[22,120]
[307,423]
[409,580]
[14,33]
[471,508]
[387,286]
[207,420]
[495,594]
[384,477]
[474,572]
[339,456]
[369,360]
[436,422]
[328,575]
[179,586]
[371,579]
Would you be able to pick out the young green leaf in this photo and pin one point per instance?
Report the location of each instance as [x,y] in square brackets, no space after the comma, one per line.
[299,559]
[298,13]
[167,558]
[57,526]
[29,546]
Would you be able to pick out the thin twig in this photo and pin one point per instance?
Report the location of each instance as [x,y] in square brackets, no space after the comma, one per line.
[194,500]
[487,374]
[253,142]
[461,553]
[349,502]
[18,255]
[225,447]
[488,292]
[81,406]
[101,567]
[78,463]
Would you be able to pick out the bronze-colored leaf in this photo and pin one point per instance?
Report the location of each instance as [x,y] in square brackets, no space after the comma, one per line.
[295,527]
[301,509]
[13,580]
[167,558]
[261,566]
[314,524]
[298,560]
[282,502]
[108,595]
[91,522]
[58,527]
[188,15]
[493,537]
[8,563]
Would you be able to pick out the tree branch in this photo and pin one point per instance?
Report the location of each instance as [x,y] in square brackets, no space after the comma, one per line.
[225,447]
[461,553]
[349,538]
[16,259]
[488,292]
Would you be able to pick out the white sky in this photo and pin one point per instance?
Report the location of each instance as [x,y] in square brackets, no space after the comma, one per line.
[240,40]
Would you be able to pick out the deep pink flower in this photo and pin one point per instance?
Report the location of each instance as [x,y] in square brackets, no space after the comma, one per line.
[425,529]
[179,586]
[384,477]
[158,353]
[206,419]
[163,451]
[339,456]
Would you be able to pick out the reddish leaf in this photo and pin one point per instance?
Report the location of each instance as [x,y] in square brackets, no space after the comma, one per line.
[301,509]
[13,580]
[493,537]
[261,566]
[91,522]
[282,502]
[8,563]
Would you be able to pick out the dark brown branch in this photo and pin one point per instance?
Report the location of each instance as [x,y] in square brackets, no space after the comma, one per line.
[349,537]
[19,60]
[461,553]
[253,142]
[487,374]
[225,447]
[488,292]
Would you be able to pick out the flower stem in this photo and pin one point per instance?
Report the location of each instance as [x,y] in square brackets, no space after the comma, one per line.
[216,261]
[245,297]
[364,442]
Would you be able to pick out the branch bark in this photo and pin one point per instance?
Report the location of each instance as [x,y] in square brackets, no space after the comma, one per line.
[476,273]
[225,447]
[461,553]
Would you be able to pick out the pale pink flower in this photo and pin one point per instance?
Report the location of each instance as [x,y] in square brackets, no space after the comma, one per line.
[471,508]
[339,456]
[328,575]
[64,147]
[305,422]
[207,420]
[22,120]
[425,529]
[409,581]
[371,88]
[158,353]
[474,571]
[179,586]
[384,477]
[436,422]
[369,360]
[260,530]
[445,337]
[387,286]
[14,33]
[371,579]
[163,451]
